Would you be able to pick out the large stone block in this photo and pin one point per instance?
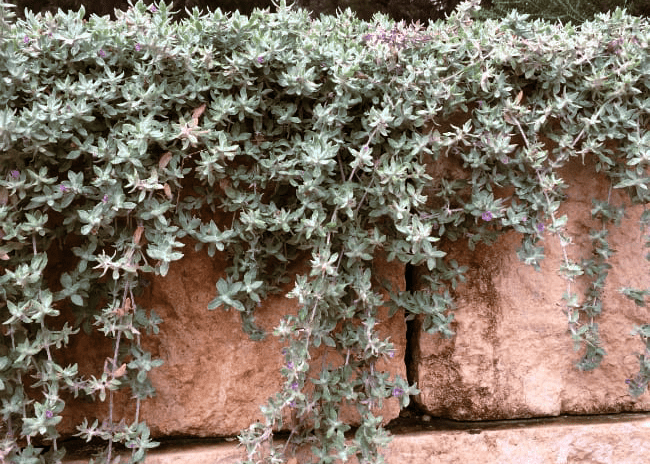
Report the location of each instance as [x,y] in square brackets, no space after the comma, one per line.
[512,355]
[620,440]
[214,378]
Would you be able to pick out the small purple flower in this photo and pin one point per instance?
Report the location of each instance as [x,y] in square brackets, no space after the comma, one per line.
[105,198]
[540,227]
[102,53]
[292,404]
[153,9]
[391,354]
[289,365]
[63,188]
[636,382]
[137,47]
[15,174]
[295,386]
[505,160]
[397,391]
[26,40]
[49,414]
[260,59]
[487,216]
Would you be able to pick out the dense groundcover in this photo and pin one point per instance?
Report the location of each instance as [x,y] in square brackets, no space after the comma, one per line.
[118,140]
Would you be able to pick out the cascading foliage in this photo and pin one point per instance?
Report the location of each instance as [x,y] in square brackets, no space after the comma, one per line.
[279,140]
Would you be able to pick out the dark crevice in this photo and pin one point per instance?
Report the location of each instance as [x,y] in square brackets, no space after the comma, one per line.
[423,422]
[77,448]
[412,410]
[409,275]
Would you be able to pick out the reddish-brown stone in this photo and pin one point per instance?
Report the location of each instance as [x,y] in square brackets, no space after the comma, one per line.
[214,378]
[512,355]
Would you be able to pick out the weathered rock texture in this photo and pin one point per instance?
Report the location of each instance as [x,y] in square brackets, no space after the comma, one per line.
[558,443]
[512,355]
[612,440]
[214,378]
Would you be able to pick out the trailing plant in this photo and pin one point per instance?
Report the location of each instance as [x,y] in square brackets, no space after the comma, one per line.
[277,139]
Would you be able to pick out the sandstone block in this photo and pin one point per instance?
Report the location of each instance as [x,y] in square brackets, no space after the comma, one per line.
[623,440]
[589,441]
[214,378]
[512,355]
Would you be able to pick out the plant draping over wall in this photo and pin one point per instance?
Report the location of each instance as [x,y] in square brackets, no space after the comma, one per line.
[120,139]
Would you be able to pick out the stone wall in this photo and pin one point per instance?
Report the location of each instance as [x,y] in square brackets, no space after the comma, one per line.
[511,358]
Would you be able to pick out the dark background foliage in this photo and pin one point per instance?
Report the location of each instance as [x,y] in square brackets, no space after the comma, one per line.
[409,10]
[575,11]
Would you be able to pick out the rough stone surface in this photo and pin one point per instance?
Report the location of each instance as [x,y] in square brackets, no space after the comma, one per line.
[512,355]
[557,443]
[622,440]
[214,378]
